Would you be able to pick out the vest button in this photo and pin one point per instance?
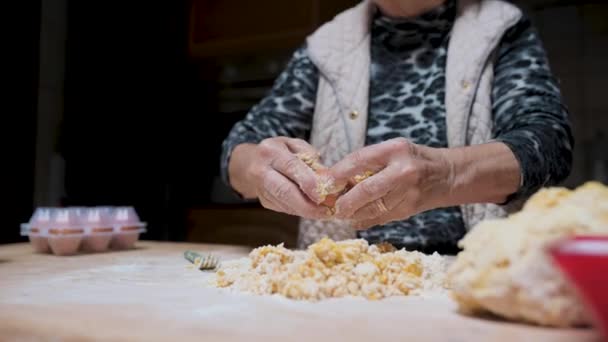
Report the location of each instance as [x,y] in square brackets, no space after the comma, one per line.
[465,84]
[354,114]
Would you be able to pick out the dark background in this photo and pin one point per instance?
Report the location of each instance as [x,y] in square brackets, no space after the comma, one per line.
[112,103]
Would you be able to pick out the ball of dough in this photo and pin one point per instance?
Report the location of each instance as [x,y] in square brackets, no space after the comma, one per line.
[504,268]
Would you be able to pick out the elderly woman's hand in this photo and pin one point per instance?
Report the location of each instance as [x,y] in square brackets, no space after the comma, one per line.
[272,172]
[406,180]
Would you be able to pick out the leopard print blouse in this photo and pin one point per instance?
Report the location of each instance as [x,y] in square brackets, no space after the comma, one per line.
[407,91]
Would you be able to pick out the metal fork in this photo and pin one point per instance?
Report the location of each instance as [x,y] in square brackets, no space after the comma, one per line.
[202,261]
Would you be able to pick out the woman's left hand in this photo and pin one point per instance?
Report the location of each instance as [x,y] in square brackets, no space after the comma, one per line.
[407,179]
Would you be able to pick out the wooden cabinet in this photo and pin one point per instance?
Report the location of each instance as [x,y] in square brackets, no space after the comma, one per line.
[230,27]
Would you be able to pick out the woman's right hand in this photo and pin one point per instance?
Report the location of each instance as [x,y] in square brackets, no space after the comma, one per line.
[272,172]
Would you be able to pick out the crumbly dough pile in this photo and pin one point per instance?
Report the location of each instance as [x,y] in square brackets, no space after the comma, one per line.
[334,269]
[504,268]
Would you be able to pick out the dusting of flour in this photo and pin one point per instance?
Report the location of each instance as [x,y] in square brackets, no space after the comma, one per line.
[330,269]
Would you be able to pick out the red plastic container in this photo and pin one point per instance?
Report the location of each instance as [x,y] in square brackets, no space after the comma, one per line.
[584,261]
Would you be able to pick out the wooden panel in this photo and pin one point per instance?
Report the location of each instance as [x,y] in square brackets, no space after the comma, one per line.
[234,26]
[248,226]
[329,9]
[229,27]
[230,19]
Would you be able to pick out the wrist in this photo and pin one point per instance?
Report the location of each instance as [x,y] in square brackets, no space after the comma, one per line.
[240,170]
[458,175]
[438,176]
[486,173]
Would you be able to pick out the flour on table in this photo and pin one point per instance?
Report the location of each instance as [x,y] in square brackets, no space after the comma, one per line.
[330,269]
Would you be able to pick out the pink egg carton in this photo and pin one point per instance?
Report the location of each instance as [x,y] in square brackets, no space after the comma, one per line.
[68,231]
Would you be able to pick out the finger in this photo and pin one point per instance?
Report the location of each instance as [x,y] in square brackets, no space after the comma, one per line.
[292,167]
[271,205]
[369,190]
[370,158]
[281,191]
[400,212]
[380,206]
[325,183]
[377,221]
[299,146]
[312,162]
[356,163]
[308,154]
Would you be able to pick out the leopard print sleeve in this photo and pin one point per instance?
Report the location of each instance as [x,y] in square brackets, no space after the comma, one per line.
[286,111]
[529,115]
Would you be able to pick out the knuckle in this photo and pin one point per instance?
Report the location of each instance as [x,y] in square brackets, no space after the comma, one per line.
[401,141]
[399,144]
[404,171]
[411,173]
[292,164]
[299,141]
[357,158]
[265,149]
[266,142]
[368,188]
[281,191]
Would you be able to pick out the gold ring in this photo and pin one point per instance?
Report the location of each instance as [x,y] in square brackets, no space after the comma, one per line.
[381,206]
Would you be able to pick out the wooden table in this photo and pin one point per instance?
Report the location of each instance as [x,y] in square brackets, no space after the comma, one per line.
[151,294]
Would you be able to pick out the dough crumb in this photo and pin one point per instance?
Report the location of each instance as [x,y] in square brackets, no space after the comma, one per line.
[330,269]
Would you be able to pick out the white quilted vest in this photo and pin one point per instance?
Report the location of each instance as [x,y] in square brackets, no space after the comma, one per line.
[340,49]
